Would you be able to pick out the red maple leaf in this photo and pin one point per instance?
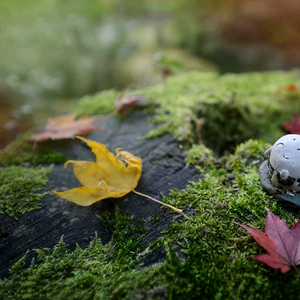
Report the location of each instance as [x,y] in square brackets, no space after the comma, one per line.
[293,126]
[282,244]
[291,88]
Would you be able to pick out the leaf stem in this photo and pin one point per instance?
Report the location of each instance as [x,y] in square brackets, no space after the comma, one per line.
[296,269]
[162,203]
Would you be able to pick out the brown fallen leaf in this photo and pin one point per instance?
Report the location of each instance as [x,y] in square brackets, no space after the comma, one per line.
[124,103]
[108,177]
[282,244]
[64,127]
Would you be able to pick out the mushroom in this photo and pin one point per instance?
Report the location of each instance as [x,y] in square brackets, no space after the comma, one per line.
[284,163]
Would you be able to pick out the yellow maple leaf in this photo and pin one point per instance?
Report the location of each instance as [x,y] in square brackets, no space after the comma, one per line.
[108,177]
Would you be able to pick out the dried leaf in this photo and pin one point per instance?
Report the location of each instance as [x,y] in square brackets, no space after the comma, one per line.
[293,126]
[64,127]
[124,103]
[107,177]
[282,244]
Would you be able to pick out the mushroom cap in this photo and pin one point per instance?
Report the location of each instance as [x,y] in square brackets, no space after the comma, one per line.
[285,155]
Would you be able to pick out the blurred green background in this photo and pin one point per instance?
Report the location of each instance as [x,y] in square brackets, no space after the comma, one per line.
[55,51]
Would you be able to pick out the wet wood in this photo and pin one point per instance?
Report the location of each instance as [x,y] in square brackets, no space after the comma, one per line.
[164,169]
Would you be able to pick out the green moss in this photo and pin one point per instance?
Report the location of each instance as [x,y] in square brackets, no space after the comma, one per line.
[260,100]
[197,106]
[21,152]
[251,148]
[156,132]
[218,253]
[92,273]
[155,219]
[219,264]
[100,104]
[121,220]
[20,187]
[200,155]
[225,124]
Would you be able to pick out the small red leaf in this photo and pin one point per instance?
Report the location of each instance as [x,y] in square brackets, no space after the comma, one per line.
[293,126]
[292,88]
[282,244]
[124,103]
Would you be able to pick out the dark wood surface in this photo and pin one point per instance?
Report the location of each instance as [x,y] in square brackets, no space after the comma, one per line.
[163,169]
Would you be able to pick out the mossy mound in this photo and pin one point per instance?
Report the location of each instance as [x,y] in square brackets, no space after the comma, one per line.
[223,125]
[197,106]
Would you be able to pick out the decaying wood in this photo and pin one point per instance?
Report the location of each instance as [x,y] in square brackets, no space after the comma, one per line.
[164,168]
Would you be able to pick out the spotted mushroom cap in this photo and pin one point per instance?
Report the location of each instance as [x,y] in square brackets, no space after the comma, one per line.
[284,157]
[285,154]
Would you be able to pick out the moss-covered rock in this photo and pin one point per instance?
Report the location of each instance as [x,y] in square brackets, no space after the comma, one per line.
[206,254]
[197,106]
